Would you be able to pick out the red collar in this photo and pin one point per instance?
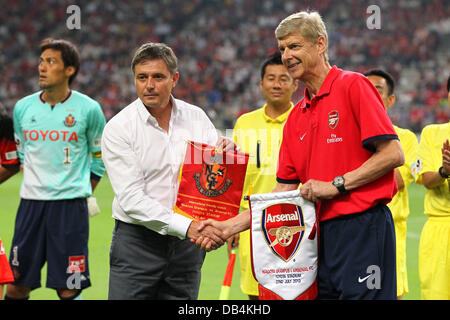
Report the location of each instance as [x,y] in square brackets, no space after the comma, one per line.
[325,88]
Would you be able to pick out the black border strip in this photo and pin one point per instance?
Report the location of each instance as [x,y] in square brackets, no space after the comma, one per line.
[367,142]
[288,181]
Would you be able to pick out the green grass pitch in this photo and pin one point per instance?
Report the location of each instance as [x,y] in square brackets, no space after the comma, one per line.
[215,263]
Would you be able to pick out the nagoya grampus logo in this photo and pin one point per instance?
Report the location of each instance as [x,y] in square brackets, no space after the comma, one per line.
[69,121]
[333,119]
[283,227]
[212,181]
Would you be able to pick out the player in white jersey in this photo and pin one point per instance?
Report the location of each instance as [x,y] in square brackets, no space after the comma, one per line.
[58,132]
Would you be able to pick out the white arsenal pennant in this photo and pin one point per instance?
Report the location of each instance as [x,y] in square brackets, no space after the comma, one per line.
[284,245]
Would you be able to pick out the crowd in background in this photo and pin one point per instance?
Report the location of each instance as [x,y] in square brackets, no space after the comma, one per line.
[221,44]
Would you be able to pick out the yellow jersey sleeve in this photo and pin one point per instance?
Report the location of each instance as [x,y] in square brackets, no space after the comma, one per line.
[399,205]
[410,145]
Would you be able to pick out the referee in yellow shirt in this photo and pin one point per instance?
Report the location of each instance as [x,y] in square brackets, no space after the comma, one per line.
[259,133]
[399,205]
[433,171]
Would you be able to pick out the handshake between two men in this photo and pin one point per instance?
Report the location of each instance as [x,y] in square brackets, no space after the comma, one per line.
[211,234]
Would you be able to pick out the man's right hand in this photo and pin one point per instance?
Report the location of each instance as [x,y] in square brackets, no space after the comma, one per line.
[226,229]
[207,243]
[212,237]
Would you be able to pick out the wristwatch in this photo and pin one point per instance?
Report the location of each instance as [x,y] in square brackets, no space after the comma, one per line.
[442,174]
[338,182]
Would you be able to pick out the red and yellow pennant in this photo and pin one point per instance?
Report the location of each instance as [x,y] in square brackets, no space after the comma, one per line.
[211,182]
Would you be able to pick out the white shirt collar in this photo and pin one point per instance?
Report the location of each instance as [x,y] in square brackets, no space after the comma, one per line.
[147,117]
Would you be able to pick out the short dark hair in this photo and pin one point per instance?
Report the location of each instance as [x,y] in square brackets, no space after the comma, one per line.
[271,60]
[6,126]
[69,53]
[381,73]
[152,51]
[448,84]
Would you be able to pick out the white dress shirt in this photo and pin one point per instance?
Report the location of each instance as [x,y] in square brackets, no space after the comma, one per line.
[143,163]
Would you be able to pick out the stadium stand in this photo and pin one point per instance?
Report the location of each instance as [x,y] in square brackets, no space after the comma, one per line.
[220,44]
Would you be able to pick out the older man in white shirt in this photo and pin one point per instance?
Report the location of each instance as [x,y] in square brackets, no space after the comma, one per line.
[143,148]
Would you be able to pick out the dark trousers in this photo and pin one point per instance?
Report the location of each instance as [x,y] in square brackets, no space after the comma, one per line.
[55,232]
[357,258]
[145,265]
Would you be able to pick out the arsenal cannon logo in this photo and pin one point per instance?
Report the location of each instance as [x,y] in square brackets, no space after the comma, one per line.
[283,227]
[333,119]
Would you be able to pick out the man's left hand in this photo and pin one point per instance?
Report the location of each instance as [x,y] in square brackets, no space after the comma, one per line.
[226,144]
[315,190]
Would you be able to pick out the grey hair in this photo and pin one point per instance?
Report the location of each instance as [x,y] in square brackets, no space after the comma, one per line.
[308,24]
[152,51]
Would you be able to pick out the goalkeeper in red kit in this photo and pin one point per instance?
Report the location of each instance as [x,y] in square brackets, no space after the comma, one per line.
[9,165]
[9,161]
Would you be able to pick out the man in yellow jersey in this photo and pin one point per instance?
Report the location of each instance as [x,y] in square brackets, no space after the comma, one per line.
[433,171]
[259,133]
[399,205]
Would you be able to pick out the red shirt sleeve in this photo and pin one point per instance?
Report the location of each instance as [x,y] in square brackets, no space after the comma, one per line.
[8,153]
[368,107]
